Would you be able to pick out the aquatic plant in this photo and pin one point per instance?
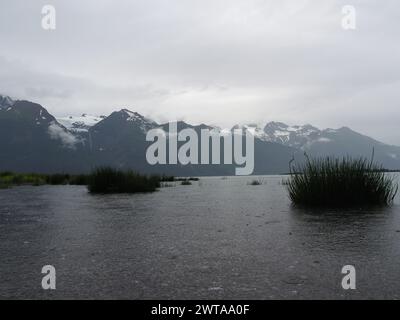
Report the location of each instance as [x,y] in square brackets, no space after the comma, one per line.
[255,183]
[340,183]
[110,180]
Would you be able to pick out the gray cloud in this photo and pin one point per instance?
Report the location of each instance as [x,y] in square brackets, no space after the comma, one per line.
[213,61]
[58,133]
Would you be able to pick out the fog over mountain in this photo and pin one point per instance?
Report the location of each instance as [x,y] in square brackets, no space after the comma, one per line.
[33,140]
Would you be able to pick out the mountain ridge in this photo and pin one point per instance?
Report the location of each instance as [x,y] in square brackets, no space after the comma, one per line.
[78,144]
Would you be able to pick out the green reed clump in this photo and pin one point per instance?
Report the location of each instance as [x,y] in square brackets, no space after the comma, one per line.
[340,183]
[110,180]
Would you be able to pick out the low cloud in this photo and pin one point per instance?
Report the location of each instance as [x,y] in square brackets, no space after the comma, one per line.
[57,132]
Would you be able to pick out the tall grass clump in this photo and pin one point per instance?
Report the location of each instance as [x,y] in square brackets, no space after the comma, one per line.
[110,180]
[342,182]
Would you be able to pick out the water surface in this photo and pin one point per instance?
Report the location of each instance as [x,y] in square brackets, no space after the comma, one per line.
[218,238]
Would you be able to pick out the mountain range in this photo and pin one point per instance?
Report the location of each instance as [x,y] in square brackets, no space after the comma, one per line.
[33,140]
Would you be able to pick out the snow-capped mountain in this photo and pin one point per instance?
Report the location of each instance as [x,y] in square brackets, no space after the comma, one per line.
[84,122]
[32,140]
[334,142]
[297,136]
[294,136]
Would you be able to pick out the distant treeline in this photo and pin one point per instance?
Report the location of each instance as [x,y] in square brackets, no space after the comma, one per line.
[100,180]
[8,179]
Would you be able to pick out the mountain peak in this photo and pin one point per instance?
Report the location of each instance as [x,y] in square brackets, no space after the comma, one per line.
[127,111]
[276,124]
[30,111]
[130,115]
[6,101]
[133,116]
[344,129]
[128,118]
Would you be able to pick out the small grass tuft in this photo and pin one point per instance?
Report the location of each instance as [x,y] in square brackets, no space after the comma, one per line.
[255,182]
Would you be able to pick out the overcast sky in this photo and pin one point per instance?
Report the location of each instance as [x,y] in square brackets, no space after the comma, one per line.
[213,61]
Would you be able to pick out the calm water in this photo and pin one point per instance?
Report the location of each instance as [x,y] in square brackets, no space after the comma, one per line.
[219,238]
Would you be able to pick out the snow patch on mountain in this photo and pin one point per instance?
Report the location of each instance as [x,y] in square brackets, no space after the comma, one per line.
[278,132]
[80,123]
[297,136]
